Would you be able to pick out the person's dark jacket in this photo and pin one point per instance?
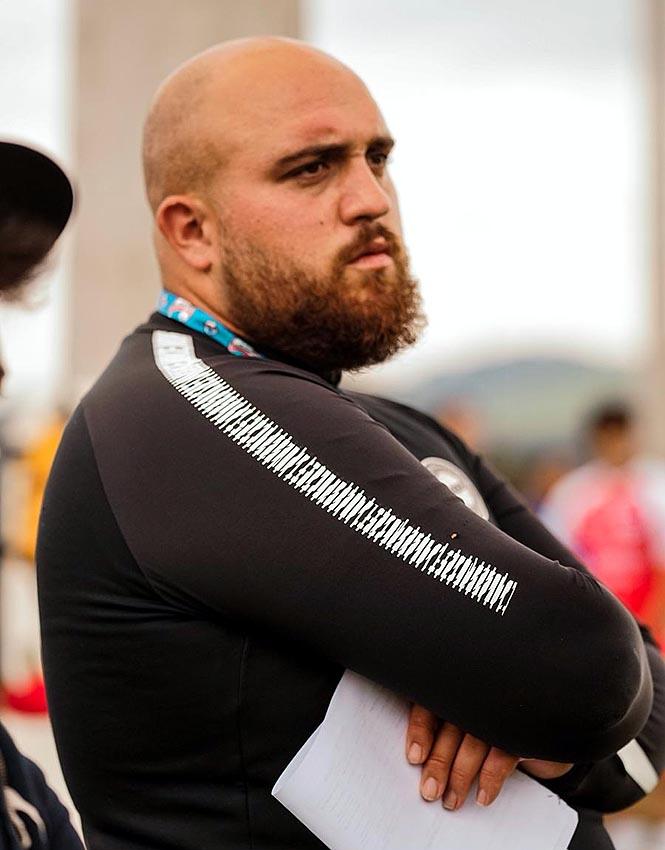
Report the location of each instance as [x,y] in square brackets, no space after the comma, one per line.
[31,815]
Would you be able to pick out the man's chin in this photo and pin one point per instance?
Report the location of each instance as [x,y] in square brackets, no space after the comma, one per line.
[365,283]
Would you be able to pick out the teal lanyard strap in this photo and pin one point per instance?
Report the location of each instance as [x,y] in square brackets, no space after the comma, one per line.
[177,308]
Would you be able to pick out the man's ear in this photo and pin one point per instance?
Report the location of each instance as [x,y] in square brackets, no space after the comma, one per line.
[188,226]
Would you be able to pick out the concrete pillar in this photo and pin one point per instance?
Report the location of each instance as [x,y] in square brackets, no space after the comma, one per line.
[124,49]
[655,384]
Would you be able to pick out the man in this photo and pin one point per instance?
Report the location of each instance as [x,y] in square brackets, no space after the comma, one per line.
[611,512]
[35,204]
[225,529]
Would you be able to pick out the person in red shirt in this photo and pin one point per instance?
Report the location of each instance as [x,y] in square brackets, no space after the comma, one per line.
[611,513]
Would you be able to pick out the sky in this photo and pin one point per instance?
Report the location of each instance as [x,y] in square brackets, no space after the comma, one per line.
[520,165]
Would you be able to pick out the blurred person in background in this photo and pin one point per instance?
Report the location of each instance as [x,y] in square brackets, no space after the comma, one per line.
[225,529]
[611,512]
[540,473]
[36,201]
[463,418]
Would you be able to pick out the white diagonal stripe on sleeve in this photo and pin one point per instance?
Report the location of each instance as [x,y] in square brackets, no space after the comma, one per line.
[638,767]
[270,445]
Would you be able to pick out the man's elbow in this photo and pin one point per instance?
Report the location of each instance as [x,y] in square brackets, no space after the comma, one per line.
[605,691]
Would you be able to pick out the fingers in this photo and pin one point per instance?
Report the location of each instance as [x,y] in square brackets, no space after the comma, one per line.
[420,734]
[466,766]
[437,768]
[545,769]
[456,761]
[496,768]
[453,760]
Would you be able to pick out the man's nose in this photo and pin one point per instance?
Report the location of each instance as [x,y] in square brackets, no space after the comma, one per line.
[363,196]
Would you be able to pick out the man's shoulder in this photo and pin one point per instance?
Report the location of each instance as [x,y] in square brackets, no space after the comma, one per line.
[370,401]
[382,407]
[161,354]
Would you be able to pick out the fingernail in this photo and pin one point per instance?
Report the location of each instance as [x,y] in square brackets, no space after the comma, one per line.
[415,754]
[450,801]
[430,790]
[482,798]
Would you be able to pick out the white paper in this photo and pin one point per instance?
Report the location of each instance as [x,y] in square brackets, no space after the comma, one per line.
[352,786]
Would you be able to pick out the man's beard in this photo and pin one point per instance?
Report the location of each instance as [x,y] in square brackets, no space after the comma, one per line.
[344,320]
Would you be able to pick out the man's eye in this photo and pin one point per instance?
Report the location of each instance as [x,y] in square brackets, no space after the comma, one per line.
[316,168]
[378,159]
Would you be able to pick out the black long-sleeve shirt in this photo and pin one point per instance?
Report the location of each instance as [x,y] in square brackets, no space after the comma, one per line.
[222,536]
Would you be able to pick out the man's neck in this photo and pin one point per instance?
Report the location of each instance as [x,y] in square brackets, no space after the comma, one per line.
[215,310]
[209,305]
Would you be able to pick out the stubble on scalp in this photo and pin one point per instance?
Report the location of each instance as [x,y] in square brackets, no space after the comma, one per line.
[186,135]
[179,157]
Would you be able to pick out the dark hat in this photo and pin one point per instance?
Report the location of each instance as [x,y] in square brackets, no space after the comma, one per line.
[33,185]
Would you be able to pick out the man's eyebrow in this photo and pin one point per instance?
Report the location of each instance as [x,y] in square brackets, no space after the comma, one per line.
[331,151]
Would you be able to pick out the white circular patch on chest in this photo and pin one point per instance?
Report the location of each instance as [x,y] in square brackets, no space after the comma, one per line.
[458,483]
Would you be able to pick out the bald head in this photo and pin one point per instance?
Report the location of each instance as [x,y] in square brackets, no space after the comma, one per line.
[213,103]
[266,165]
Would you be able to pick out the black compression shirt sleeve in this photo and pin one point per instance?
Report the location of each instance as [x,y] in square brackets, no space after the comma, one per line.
[607,785]
[280,503]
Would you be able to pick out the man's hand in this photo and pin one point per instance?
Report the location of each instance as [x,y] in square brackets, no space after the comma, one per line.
[452,760]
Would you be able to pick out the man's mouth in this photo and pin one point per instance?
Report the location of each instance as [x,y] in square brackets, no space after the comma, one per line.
[375,255]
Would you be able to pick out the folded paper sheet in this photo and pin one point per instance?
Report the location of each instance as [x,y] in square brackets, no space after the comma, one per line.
[351,785]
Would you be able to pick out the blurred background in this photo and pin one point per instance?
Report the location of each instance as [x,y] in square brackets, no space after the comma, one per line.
[530,166]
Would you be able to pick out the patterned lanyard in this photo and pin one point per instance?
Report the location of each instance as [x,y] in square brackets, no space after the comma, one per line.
[174,307]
